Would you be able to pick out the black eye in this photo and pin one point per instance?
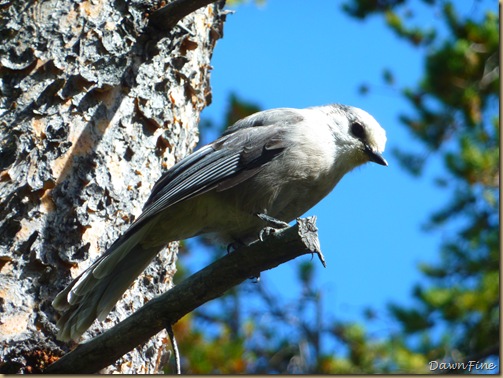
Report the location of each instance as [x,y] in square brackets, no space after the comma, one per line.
[357,130]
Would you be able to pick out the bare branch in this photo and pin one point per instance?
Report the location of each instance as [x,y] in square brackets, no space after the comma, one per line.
[203,286]
[165,18]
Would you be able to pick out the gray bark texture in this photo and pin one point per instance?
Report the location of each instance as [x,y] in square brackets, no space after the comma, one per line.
[95,104]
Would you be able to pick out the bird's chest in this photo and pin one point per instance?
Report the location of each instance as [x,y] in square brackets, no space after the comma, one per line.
[292,185]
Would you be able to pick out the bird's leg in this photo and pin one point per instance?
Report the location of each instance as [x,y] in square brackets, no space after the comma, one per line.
[275,223]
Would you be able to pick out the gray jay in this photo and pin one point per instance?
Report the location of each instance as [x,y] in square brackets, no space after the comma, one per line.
[274,164]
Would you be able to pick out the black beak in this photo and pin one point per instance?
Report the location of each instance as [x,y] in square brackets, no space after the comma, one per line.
[374,156]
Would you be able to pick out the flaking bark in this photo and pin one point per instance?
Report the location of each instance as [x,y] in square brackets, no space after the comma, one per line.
[94,106]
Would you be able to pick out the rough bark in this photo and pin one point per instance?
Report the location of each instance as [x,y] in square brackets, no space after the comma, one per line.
[94,106]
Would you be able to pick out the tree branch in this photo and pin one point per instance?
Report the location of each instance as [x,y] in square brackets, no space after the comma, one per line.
[203,286]
[165,18]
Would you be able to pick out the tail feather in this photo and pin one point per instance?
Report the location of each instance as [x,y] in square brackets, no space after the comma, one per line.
[123,245]
[95,292]
[123,276]
[104,293]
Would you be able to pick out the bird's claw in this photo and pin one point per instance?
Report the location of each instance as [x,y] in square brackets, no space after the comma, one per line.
[232,247]
[266,231]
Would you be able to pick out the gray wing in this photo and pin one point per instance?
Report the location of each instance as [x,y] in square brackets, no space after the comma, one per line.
[245,148]
[239,154]
[278,117]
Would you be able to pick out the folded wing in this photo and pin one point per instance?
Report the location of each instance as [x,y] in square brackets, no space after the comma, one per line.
[240,153]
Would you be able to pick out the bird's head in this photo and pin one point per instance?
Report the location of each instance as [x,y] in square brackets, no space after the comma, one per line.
[358,134]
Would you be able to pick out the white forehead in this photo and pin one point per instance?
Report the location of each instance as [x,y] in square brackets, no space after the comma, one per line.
[376,134]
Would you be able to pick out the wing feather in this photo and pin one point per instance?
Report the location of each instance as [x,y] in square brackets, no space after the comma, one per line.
[243,150]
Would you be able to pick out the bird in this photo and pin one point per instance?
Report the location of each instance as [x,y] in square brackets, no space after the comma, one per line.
[272,165]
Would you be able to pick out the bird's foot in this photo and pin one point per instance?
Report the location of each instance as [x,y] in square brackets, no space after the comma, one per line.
[255,279]
[275,223]
[234,246]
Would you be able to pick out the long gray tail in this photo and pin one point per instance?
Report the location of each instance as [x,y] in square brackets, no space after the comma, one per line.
[94,293]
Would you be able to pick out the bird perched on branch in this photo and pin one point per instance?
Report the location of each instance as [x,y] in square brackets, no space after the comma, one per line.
[272,165]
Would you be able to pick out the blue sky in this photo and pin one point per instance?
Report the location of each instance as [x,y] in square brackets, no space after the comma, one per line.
[300,53]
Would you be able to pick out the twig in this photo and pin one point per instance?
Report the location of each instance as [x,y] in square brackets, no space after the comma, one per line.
[165,18]
[203,286]
[174,345]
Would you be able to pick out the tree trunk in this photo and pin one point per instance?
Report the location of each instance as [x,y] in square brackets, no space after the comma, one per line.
[94,106]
